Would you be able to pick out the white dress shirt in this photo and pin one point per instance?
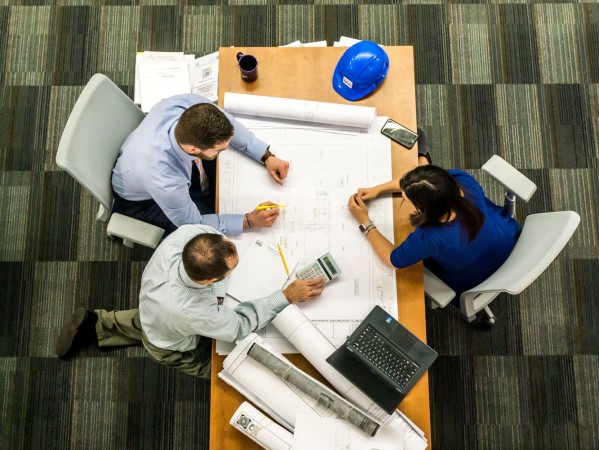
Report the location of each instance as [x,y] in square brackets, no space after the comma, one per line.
[175,311]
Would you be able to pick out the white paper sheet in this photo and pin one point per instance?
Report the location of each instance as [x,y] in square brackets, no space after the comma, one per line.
[162,79]
[313,432]
[259,273]
[260,428]
[150,56]
[325,169]
[302,110]
[204,76]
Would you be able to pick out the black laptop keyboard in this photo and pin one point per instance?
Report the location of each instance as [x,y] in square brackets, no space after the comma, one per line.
[377,350]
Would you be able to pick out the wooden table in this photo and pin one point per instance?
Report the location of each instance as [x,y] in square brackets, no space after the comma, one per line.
[306,73]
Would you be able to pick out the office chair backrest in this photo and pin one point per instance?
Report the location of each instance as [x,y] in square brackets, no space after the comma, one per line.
[100,121]
[543,237]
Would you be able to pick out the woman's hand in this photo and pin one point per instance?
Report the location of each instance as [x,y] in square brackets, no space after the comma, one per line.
[368,193]
[358,208]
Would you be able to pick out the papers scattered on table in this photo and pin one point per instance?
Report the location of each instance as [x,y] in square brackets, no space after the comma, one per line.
[159,75]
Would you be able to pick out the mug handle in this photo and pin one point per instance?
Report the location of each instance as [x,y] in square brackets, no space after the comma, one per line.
[239,56]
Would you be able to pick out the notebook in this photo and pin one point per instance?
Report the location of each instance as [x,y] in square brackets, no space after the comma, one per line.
[383,359]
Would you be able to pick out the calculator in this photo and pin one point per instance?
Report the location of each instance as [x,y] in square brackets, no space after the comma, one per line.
[325,267]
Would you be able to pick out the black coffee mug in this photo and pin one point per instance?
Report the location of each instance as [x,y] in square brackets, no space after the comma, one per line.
[248,65]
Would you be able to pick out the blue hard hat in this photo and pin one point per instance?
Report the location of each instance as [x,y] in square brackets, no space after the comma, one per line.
[360,70]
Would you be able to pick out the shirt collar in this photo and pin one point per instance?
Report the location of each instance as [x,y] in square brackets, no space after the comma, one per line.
[178,150]
[186,280]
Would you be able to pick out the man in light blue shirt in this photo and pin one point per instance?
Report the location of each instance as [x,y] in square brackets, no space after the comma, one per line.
[165,171]
[180,305]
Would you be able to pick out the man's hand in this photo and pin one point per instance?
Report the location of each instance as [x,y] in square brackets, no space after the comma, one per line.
[358,208]
[265,217]
[302,290]
[277,168]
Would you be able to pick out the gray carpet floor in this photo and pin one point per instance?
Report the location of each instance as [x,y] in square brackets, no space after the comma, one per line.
[514,78]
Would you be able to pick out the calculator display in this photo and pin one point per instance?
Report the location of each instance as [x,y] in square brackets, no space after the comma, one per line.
[329,265]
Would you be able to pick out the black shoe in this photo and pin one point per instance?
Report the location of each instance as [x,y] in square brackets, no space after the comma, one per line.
[423,147]
[78,333]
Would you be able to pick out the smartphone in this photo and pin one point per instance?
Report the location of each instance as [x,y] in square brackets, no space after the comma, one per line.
[399,133]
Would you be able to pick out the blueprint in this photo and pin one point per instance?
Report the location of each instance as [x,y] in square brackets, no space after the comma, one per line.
[327,165]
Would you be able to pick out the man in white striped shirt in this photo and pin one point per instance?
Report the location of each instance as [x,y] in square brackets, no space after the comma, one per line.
[180,305]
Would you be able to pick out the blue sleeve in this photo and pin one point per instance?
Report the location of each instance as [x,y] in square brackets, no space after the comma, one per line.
[173,198]
[245,141]
[415,248]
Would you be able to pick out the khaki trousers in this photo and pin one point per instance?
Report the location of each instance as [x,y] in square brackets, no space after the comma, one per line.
[123,328]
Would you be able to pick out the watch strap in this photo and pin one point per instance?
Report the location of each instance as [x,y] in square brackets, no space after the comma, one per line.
[267,154]
[366,226]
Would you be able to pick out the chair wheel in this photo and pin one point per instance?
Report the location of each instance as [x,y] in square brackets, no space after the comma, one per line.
[489,321]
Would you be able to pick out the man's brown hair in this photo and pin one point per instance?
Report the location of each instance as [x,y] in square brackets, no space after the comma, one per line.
[203,126]
[206,256]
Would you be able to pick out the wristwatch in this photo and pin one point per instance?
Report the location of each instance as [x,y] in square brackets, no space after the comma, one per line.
[366,227]
[267,154]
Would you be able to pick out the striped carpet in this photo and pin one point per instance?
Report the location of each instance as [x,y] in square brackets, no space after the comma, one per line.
[515,78]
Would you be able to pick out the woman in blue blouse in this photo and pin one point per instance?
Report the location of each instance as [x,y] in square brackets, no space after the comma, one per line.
[461,235]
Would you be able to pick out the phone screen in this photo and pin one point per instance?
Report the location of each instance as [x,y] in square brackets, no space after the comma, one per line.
[399,133]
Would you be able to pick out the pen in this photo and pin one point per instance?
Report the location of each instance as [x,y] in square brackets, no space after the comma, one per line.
[283,259]
[263,207]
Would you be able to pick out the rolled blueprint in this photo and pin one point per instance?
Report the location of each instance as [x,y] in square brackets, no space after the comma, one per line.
[303,110]
[260,428]
[325,397]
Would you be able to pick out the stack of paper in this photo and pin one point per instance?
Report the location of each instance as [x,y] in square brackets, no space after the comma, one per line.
[159,75]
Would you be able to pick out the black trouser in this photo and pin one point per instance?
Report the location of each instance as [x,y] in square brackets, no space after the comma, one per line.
[148,210]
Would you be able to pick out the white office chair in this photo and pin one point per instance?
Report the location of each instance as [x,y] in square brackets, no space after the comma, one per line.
[543,237]
[100,121]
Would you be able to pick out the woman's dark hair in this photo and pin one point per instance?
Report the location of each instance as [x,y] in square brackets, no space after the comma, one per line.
[435,193]
[203,126]
[205,256]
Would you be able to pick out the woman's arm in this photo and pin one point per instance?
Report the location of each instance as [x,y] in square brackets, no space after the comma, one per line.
[373,192]
[380,244]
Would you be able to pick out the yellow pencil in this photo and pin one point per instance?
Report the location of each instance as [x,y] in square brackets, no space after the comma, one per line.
[283,259]
[263,207]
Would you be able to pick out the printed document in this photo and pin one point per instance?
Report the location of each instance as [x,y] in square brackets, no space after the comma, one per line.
[325,169]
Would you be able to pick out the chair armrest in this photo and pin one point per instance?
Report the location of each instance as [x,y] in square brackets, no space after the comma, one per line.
[134,231]
[510,177]
[436,290]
